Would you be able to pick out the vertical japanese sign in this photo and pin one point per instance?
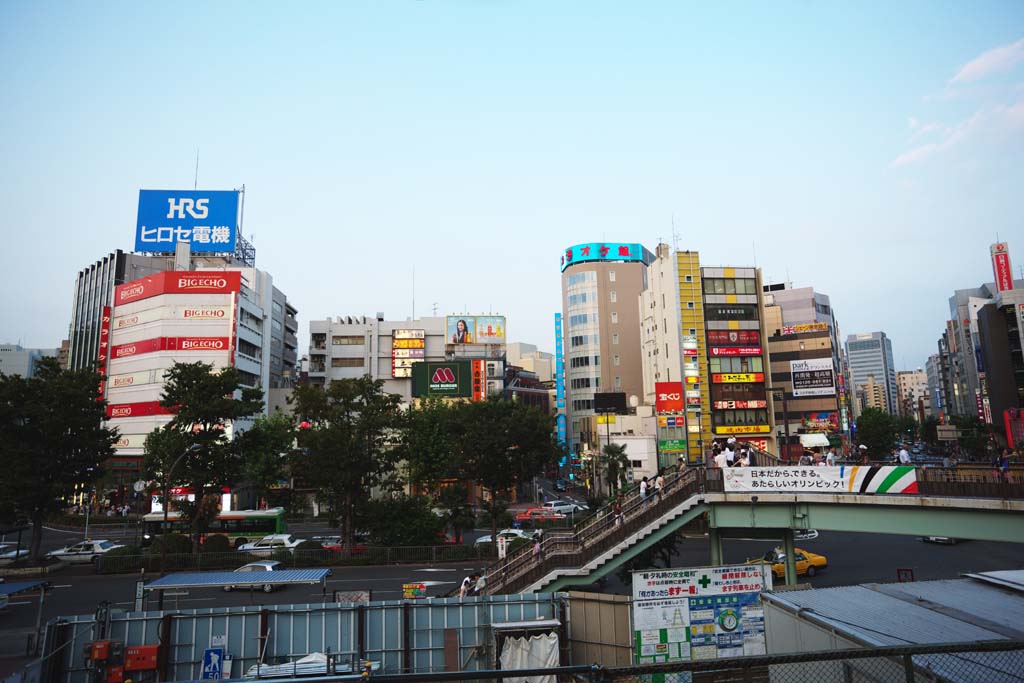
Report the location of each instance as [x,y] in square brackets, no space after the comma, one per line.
[559,381]
[1001,266]
[699,613]
[104,352]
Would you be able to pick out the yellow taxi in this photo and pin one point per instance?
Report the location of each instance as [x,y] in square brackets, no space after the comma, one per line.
[806,563]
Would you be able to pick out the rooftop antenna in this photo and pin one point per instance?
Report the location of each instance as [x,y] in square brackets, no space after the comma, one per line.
[195,182]
[675,235]
[414,292]
[435,309]
[753,245]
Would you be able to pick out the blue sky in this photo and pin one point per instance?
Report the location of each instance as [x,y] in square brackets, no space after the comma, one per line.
[872,150]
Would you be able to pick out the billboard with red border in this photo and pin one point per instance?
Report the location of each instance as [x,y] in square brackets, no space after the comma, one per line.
[734,337]
[179,282]
[735,351]
[171,344]
[1001,266]
[668,397]
[142,409]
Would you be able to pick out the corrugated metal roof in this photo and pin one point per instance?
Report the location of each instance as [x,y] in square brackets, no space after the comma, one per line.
[19,586]
[1009,578]
[215,579]
[879,619]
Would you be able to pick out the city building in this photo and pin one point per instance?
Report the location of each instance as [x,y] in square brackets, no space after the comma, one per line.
[353,346]
[870,354]
[15,360]
[694,348]
[809,388]
[529,358]
[871,395]
[936,386]
[738,365]
[912,394]
[601,285]
[1001,338]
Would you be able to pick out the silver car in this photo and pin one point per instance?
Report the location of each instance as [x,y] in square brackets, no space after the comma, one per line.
[260,566]
[84,551]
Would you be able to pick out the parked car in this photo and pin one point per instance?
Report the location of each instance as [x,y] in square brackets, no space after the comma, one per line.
[942,540]
[805,534]
[335,544]
[561,485]
[565,507]
[509,534]
[270,544]
[806,563]
[534,515]
[83,552]
[10,554]
[260,566]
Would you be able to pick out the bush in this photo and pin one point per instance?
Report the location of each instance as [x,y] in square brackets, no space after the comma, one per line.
[403,521]
[176,543]
[505,520]
[121,552]
[216,544]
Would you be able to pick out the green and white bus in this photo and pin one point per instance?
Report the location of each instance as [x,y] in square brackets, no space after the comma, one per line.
[241,526]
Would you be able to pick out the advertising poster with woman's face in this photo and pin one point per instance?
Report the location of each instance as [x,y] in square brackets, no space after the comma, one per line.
[461,330]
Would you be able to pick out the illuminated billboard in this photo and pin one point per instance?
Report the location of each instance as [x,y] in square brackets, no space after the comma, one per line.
[207,220]
[475,329]
[451,379]
[605,251]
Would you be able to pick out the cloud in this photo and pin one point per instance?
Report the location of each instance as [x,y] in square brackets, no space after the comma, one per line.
[952,138]
[992,61]
[993,121]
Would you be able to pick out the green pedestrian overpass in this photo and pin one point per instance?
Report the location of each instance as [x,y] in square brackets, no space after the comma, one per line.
[957,503]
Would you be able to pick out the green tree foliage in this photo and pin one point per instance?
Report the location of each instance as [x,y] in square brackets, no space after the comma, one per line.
[974,435]
[930,430]
[205,403]
[616,465]
[52,439]
[906,428]
[458,515]
[348,451]
[876,429]
[402,521]
[264,450]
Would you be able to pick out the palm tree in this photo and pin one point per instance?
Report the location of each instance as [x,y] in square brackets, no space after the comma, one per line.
[616,463]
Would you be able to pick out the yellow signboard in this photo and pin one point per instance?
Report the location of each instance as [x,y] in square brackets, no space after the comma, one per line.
[605,419]
[413,591]
[743,429]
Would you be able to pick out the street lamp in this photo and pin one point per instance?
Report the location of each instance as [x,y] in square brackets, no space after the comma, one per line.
[167,505]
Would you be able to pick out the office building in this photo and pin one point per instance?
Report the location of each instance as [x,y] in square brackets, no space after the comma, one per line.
[912,394]
[870,394]
[807,365]
[936,387]
[1001,340]
[15,360]
[601,285]
[529,358]
[870,354]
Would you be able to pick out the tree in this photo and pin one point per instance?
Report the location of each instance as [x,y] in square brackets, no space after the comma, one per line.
[502,443]
[348,449]
[204,403]
[974,435]
[457,512]
[52,439]
[906,427]
[876,429]
[429,446]
[264,451]
[418,525]
[616,465]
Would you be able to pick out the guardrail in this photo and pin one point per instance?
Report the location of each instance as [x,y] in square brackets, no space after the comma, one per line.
[119,564]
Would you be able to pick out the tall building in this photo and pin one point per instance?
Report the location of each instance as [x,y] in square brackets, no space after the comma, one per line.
[15,360]
[694,349]
[529,358]
[936,386]
[806,366]
[1001,338]
[911,391]
[870,354]
[601,284]
[870,394]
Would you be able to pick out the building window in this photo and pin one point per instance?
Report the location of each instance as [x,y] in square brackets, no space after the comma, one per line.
[613,296]
[615,317]
[347,362]
[615,338]
[347,340]
[611,276]
[636,464]
[615,359]
[580,278]
[692,331]
[618,382]
[689,304]
[688,278]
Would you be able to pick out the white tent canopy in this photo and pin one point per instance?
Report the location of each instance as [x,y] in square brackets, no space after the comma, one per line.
[814,441]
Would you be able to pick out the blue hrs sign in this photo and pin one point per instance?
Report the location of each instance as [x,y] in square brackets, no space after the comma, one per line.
[208,220]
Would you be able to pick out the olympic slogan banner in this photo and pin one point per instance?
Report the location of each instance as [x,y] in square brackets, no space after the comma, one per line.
[868,479]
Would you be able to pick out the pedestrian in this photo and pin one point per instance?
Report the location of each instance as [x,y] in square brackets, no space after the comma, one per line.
[464,588]
[720,460]
[480,585]
[537,551]
[659,486]
[903,456]
[643,490]
[1002,465]
[865,459]
[830,456]
[617,510]
[730,454]
[681,465]
[806,459]
[744,460]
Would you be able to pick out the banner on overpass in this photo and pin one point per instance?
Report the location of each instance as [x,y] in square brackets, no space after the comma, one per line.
[870,479]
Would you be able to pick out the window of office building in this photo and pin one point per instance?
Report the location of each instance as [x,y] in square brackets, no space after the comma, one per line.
[718,285]
[615,338]
[612,296]
[347,362]
[615,317]
[615,359]
[752,364]
[618,382]
[611,276]
[736,418]
[580,278]
[347,340]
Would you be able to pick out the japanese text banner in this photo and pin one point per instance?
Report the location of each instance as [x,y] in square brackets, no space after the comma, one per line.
[870,479]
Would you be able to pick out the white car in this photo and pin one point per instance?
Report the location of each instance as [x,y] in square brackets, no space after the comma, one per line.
[565,507]
[261,566]
[9,553]
[509,534]
[268,545]
[84,552]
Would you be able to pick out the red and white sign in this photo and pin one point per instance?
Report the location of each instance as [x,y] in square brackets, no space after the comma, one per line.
[144,409]
[103,356]
[735,350]
[761,444]
[131,441]
[135,379]
[179,282]
[739,405]
[690,352]
[196,312]
[1001,266]
[734,337]
[171,344]
[479,383]
[668,397]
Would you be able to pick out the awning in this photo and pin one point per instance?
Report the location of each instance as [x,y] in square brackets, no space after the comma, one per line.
[814,441]
[531,625]
[220,579]
[19,587]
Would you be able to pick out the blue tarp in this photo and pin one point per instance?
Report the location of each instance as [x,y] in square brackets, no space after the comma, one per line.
[219,579]
[19,587]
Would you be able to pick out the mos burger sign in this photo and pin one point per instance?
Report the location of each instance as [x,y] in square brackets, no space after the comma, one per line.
[451,379]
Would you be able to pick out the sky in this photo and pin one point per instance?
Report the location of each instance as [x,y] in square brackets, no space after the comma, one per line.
[871,150]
